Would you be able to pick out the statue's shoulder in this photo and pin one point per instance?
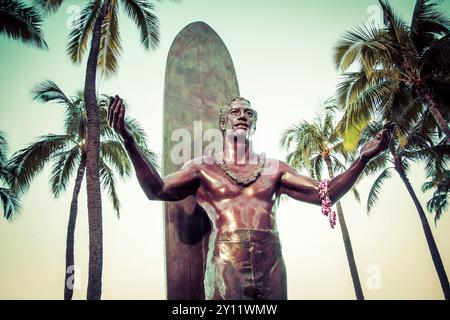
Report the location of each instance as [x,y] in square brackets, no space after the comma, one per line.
[198,162]
[274,166]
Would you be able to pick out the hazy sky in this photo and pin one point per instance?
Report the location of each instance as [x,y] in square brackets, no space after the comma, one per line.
[282,52]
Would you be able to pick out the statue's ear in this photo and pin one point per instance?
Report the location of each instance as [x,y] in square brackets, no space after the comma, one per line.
[222,118]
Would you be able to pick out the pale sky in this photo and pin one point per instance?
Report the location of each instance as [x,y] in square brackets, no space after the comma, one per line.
[282,53]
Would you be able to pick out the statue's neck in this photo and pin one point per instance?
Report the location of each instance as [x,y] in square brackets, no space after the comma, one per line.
[239,151]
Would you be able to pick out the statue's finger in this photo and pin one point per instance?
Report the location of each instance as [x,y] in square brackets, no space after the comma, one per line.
[385,138]
[111,110]
[121,121]
[116,113]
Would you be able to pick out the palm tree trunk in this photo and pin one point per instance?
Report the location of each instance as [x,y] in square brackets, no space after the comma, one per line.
[347,242]
[431,105]
[94,289]
[70,261]
[435,255]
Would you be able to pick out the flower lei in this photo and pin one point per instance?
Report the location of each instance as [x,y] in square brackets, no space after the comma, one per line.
[326,202]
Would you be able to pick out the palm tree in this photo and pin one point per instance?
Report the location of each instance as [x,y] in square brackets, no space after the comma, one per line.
[417,147]
[17,21]
[8,198]
[436,167]
[100,20]
[319,143]
[67,152]
[439,200]
[403,69]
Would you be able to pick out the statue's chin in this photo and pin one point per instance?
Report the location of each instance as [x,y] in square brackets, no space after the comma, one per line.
[238,133]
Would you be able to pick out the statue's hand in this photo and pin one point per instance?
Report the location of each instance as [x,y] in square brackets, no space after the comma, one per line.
[116,117]
[376,145]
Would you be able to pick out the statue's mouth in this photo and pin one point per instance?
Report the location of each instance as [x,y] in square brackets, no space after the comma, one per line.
[241,126]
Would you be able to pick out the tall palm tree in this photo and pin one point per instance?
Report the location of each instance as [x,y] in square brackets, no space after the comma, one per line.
[440,199]
[99,19]
[17,21]
[315,144]
[67,152]
[403,69]
[436,159]
[417,147]
[8,198]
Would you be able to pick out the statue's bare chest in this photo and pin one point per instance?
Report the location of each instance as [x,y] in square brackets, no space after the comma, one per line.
[217,185]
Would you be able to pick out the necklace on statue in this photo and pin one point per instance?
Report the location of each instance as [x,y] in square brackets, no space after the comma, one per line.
[241,181]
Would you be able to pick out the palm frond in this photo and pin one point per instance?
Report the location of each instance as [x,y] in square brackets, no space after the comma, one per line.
[440,199]
[49,6]
[3,148]
[356,194]
[141,12]
[63,169]
[329,115]
[394,24]
[108,183]
[141,139]
[363,44]
[48,91]
[427,22]
[10,203]
[113,152]
[375,189]
[317,167]
[19,22]
[351,83]
[81,29]
[436,55]
[338,166]
[110,44]
[28,162]
[357,114]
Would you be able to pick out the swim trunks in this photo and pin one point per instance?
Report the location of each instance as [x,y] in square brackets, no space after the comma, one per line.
[245,265]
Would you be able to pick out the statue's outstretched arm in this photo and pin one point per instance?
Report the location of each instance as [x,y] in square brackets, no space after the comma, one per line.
[176,186]
[306,189]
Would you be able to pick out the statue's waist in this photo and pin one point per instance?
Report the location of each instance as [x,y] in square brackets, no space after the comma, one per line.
[247,235]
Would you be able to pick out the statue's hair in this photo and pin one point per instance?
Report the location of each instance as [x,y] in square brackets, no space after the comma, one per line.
[237,99]
[223,111]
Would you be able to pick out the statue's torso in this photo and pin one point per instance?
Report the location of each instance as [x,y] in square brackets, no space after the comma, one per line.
[231,206]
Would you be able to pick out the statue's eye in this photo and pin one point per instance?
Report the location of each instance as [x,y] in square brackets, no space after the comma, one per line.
[233,111]
[249,113]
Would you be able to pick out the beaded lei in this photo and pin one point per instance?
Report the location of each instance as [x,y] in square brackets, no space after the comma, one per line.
[326,202]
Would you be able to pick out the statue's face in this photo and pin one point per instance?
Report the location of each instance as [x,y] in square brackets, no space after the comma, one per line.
[240,119]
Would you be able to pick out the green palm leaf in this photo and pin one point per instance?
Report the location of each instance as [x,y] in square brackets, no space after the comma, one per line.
[3,147]
[395,25]
[427,21]
[376,187]
[10,203]
[362,44]
[141,12]
[141,139]
[81,29]
[438,54]
[49,6]
[48,91]
[63,169]
[28,162]
[114,153]
[109,184]
[110,44]
[19,22]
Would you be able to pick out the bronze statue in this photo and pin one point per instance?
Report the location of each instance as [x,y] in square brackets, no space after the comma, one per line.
[240,198]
